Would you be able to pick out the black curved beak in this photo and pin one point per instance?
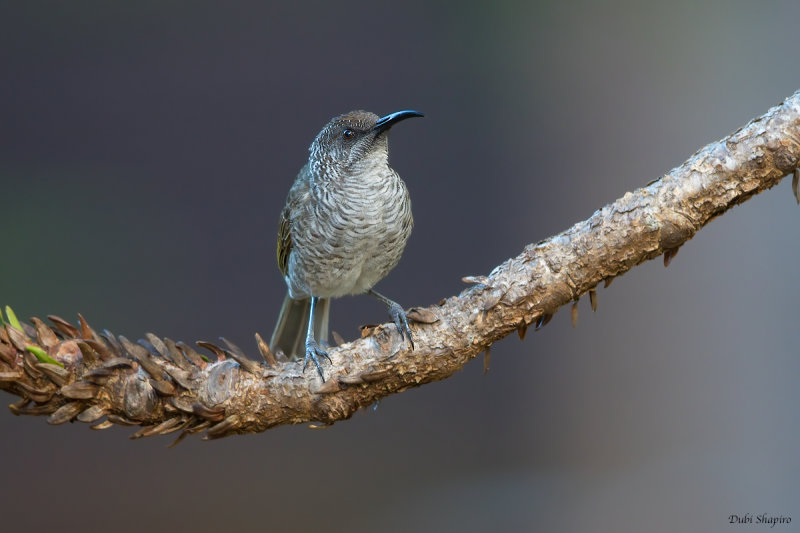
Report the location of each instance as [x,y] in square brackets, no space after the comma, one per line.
[384,123]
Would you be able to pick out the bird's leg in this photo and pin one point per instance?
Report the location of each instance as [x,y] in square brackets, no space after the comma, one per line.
[313,351]
[398,315]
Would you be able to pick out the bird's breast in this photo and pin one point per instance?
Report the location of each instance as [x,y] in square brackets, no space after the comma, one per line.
[352,235]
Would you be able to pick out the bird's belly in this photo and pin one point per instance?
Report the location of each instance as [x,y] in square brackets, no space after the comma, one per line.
[352,253]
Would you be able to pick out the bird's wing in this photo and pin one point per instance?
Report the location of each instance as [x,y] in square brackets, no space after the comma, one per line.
[284,239]
[298,191]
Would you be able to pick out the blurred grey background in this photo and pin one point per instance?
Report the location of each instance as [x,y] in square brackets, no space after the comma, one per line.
[145,152]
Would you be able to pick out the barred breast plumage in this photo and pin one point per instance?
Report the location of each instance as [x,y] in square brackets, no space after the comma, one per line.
[347,234]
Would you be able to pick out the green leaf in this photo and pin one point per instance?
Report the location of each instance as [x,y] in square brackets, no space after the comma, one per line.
[12,318]
[204,358]
[42,356]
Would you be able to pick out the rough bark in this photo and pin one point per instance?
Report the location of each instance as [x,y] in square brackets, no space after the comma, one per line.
[73,373]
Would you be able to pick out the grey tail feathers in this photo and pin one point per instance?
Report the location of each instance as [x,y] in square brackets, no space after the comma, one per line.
[290,331]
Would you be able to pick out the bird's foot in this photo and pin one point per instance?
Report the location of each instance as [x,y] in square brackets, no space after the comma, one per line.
[313,353]
[398,315]
[400,320]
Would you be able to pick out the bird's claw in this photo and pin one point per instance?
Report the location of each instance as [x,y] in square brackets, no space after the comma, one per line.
[313,353]
[400,320]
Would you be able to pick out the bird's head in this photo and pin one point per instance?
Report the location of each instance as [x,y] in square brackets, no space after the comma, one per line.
[353,142]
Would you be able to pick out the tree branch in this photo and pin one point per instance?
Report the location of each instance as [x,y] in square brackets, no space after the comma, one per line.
[75,373]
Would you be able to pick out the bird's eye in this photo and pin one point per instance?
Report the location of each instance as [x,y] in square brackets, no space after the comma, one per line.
[348,134]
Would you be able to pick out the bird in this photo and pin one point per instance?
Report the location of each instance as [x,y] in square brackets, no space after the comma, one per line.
[344,226]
